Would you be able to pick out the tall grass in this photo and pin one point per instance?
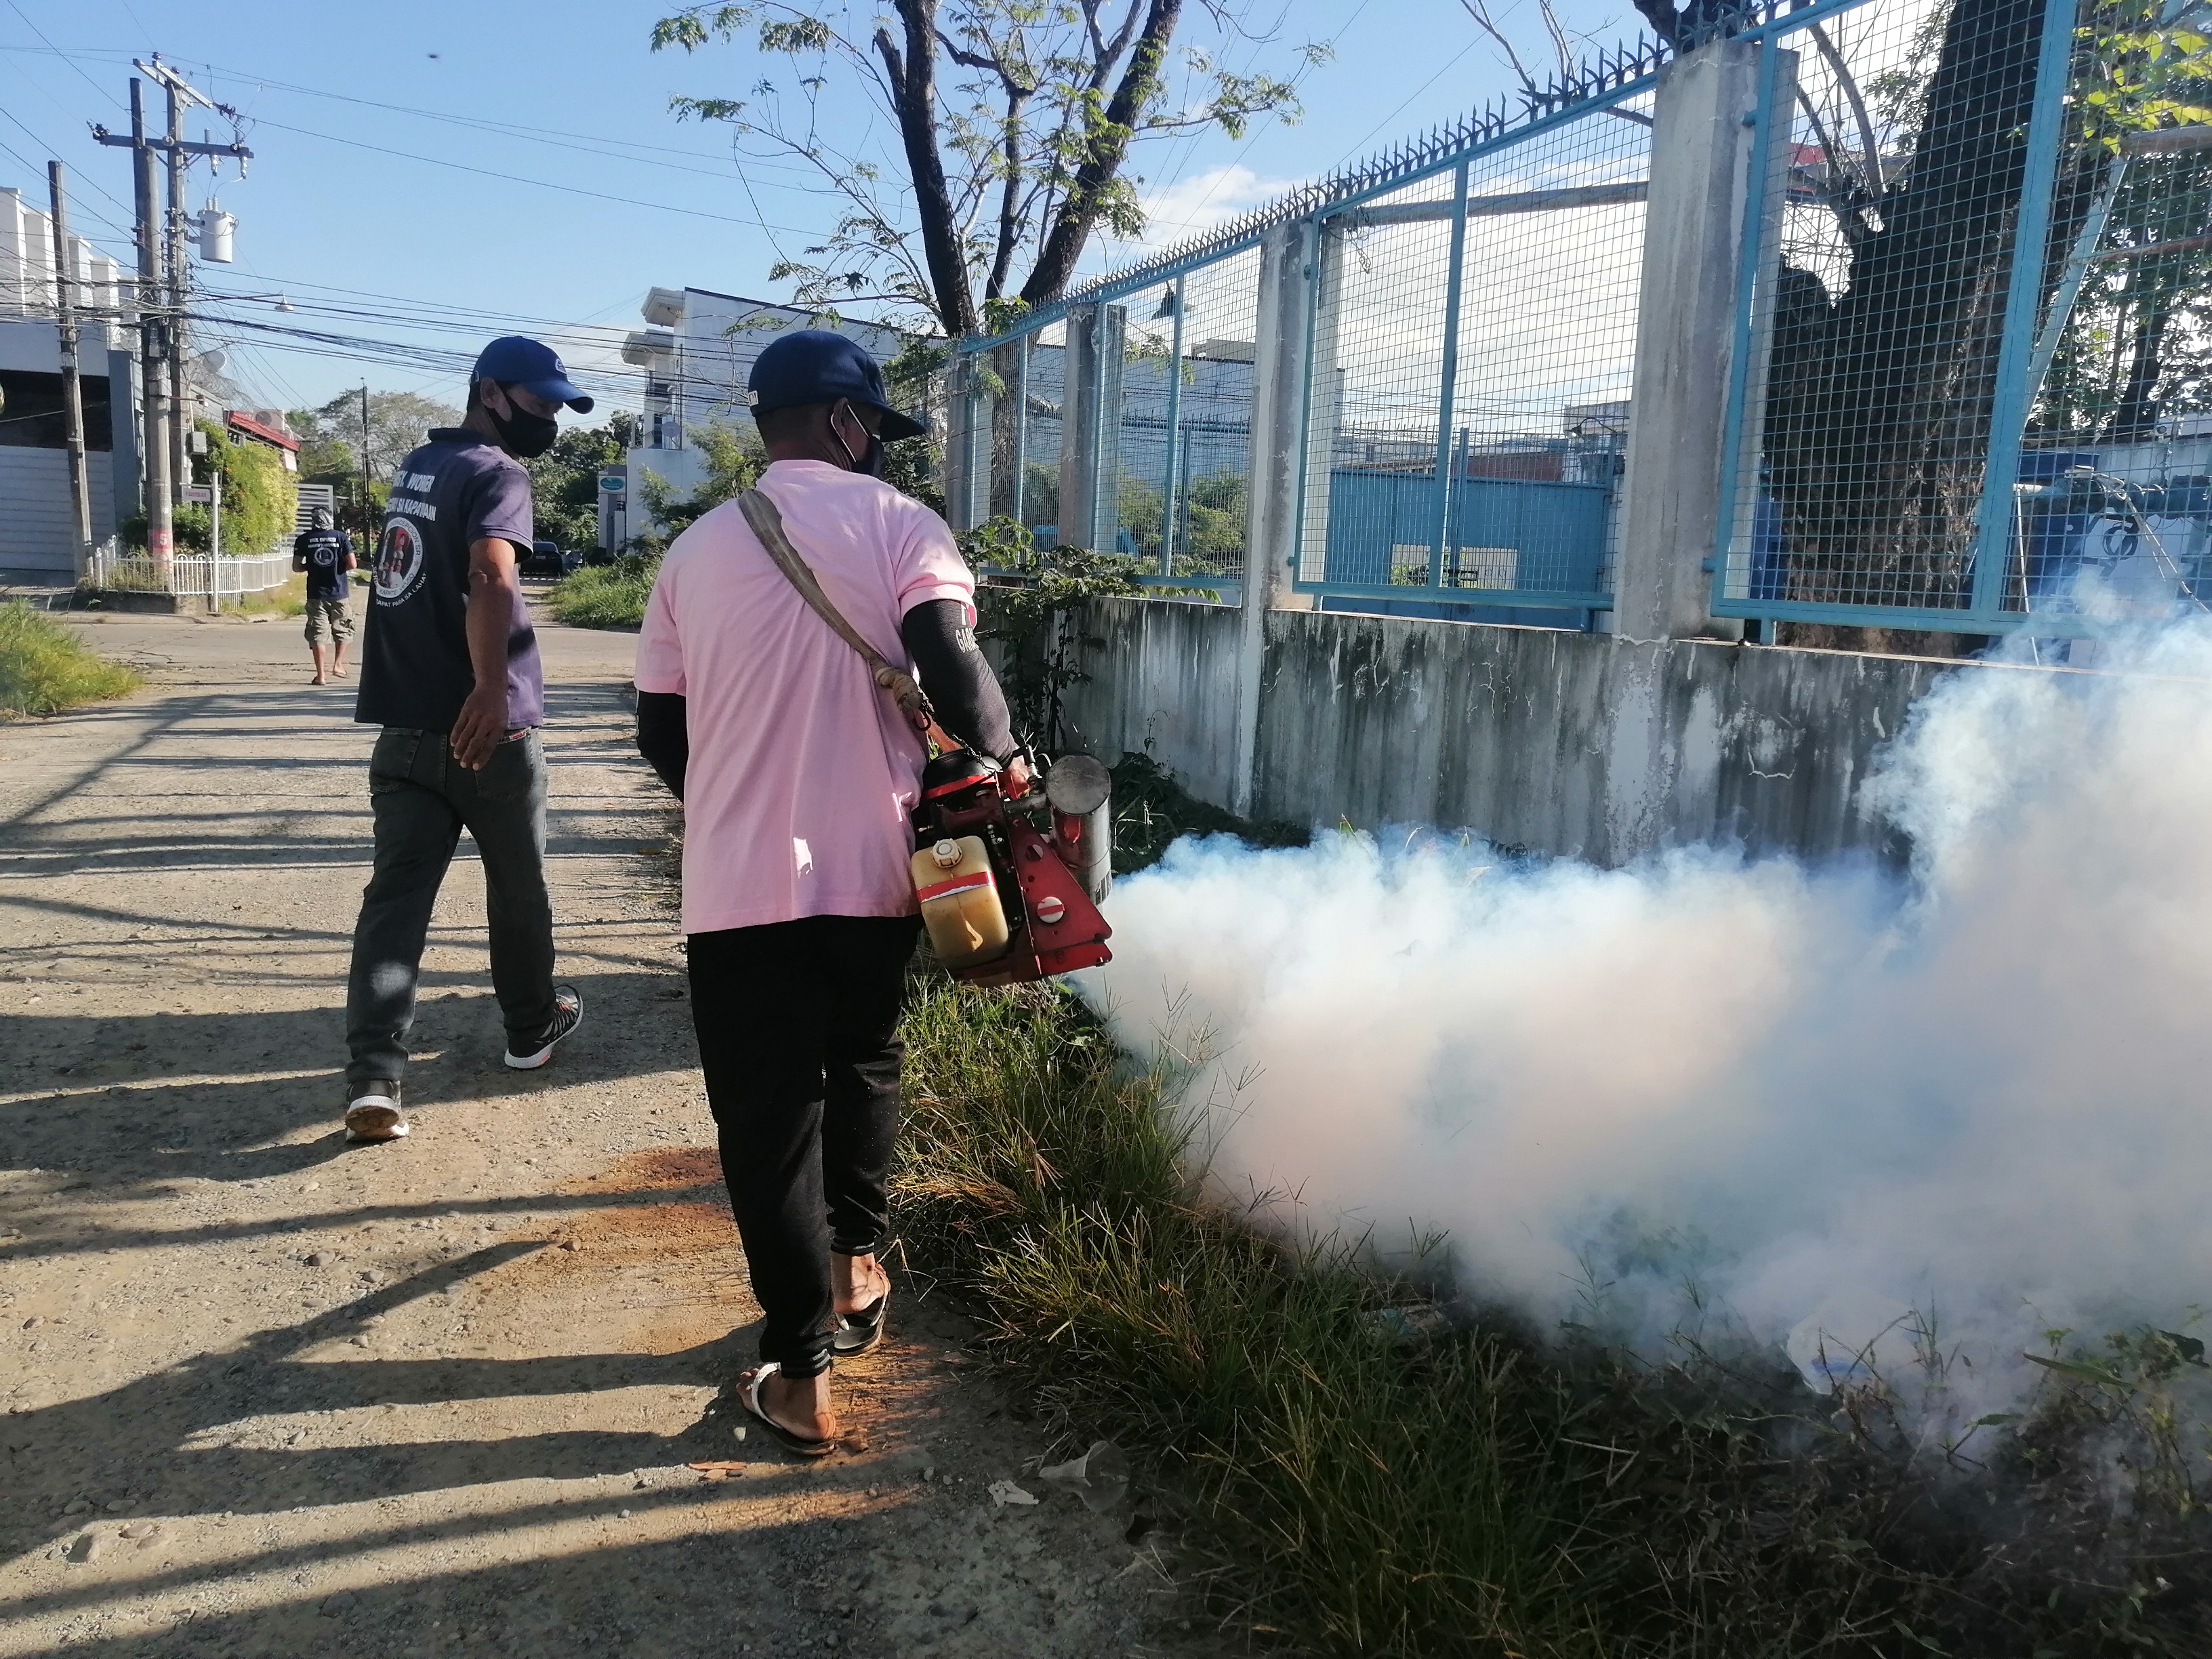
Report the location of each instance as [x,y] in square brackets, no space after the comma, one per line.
[1364,1472]
[45,668]
[605,595]
[1365,1495]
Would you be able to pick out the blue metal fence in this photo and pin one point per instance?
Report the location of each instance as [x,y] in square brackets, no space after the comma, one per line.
[1910,270]
[1467,375]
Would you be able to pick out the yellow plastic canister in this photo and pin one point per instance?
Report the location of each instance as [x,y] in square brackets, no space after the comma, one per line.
[960,901]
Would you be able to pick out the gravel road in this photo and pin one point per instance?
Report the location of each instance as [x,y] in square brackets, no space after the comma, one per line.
[267,1393]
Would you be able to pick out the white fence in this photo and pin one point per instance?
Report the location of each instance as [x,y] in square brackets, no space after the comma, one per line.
[193,575]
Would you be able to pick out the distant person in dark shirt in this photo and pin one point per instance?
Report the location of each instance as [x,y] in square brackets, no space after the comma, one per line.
[326,554]
[450,671]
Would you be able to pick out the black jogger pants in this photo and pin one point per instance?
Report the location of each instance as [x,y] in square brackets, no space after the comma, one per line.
[797,1027]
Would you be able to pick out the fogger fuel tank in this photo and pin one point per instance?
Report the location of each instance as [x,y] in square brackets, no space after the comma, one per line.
[1010,890]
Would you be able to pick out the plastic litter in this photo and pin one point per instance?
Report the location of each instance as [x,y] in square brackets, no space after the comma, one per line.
[1100,1477]
[1409,1327]
[1005,1491]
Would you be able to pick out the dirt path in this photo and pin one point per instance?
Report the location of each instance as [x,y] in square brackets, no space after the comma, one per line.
[269,1395]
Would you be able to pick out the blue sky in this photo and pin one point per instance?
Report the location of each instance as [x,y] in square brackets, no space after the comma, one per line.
[366,219]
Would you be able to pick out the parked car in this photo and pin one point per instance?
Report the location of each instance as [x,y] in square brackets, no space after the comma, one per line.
[547,559]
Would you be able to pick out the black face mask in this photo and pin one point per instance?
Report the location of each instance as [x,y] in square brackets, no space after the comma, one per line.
[522,433]
[871,459]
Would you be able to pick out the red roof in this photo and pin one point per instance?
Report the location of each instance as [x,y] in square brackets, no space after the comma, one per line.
[241,422]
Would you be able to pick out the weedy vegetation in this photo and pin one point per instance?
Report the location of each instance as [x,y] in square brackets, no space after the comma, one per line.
[1344,1461]
[45,668]
[605,595]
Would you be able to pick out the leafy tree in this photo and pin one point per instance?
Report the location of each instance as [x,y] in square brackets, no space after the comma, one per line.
[324,458]
[1016,120]
[564,482]
[397,421]
[2140,345]
[735,460]
[1212,533]
[260,501]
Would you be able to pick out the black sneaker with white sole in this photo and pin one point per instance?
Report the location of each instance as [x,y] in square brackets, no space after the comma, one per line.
[373,1113]
[526,1054]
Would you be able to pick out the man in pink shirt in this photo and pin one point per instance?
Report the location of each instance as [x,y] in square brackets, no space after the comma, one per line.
[797,772]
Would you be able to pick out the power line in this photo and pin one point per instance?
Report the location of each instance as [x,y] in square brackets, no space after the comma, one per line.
[103,91]
[583,143]
[93,184]
[517,179]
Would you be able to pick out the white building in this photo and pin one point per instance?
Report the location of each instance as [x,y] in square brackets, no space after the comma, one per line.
[37,521]
[696,349]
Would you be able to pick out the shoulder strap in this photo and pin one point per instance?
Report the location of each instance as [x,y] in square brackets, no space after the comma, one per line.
[768,524]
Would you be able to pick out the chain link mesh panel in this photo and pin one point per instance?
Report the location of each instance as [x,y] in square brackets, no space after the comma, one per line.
[2114,500]
[1470,398]
[1184,445]
[1893,203]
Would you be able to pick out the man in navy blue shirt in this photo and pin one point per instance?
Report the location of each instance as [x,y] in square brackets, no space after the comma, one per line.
[325,553]
[450,671]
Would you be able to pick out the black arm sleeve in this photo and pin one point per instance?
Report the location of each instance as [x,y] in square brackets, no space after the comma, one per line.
[663,738]
[961,686]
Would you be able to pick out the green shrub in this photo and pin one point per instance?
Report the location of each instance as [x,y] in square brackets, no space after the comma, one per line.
[605,595]
[45,668]
[260,501]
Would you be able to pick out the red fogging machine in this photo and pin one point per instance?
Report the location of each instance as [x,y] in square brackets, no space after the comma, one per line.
[1010,889]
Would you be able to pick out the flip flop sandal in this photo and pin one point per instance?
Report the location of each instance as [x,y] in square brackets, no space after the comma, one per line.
[860,1331]
[749,1396]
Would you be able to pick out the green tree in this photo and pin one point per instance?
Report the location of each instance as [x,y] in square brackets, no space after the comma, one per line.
[1016,120]
[735,459]
[397,421]
[564,482]
[260,499]
[1211,537]
[2138,346]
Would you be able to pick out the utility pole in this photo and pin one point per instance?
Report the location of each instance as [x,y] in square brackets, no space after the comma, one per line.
[160,295]
[368,507]
[160,502]
[72,389]
[180,276]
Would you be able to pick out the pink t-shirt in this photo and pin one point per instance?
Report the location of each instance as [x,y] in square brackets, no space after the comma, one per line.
[802,770]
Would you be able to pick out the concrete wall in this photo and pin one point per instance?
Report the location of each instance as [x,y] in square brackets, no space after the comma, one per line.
[1560,743]
[1163,682]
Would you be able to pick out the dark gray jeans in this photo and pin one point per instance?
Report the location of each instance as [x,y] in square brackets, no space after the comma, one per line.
[422,798]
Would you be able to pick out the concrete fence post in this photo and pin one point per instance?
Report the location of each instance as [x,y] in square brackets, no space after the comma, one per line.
[1273,506]
[1091,427]
[1702,144]
[960,414]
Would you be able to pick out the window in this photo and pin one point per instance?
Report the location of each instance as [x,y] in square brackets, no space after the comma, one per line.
[31,410]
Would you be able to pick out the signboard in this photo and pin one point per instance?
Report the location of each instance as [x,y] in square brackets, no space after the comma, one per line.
[614,484]
[202,492]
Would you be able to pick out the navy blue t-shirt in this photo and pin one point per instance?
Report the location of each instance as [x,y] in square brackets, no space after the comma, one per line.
[325,553]
[458,489]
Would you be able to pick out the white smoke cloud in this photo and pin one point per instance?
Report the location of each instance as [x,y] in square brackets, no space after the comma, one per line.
[1826,1095]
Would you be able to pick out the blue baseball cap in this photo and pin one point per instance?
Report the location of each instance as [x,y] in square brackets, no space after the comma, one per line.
[518,360]
[818,366]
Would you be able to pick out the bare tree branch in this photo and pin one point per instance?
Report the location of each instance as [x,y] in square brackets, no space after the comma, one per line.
[1107,143]
[912,79]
